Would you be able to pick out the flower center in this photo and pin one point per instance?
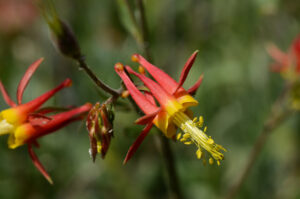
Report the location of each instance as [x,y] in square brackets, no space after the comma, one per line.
[5,127]
[193,134]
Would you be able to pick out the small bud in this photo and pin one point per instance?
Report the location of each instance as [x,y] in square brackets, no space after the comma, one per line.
[63,36]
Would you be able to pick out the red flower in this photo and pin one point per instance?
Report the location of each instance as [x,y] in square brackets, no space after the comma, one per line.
[173,112]
[26,122]
[286,63]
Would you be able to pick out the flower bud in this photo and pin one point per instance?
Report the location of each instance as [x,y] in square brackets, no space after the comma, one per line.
[100,128]
[65,39]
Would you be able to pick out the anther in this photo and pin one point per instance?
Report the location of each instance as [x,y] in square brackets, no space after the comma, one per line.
[188,143]
[186,136]
[142,70]
[135,58]
[199,153]
[125,94]
[211,161]
[178,136]
[210,141]
[119,67]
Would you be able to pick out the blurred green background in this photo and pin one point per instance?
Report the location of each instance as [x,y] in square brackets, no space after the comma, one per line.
[235,97]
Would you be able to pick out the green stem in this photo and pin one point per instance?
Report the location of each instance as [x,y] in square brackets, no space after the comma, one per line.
[98,82]
[168,155]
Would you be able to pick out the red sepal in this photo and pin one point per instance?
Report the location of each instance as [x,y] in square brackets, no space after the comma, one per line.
[37,102]
[6,97]
[133,148]
[38,120]
[164,80]
[38,164]
[145,105]
[159,93]
[186,69]
[194,88]
[146,118]
[26,78]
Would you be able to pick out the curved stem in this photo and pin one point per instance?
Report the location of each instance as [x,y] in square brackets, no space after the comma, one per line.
[175,190]
[98,82]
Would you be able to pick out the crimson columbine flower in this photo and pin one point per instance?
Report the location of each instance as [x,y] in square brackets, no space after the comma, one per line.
[173,112]
[286,63]
[26,122]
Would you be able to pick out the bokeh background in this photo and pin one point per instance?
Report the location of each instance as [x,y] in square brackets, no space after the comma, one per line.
[235,97]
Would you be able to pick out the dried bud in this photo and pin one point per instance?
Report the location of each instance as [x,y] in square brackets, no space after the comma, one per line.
[100,128]
[64,37]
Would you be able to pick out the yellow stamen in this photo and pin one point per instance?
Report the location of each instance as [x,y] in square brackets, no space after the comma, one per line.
[125,94]
[142,70]
[188,143]
[178,136]
[210,141]
[199,153]
[186,136]
[197,136]
[211,161]
[201,121]
[195,120]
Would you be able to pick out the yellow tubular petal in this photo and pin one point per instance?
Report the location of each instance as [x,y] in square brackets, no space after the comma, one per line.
[172,107]
[13,116]
[187,101]
[19,137]
[163,122]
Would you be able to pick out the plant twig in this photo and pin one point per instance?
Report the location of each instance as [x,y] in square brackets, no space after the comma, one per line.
[279,114]
[98,82]
[175,190]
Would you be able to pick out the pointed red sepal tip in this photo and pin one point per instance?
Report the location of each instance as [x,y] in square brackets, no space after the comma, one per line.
[135,58]
[6,97]
[26,78]
[133,148]
[38,164]
[119,67]
[67,83]
[194,88]
[186,69]
[146,118]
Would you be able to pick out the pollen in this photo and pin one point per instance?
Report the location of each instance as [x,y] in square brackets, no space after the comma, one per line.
[178,136]
[188,143]
[134,58]
[119,67]
[199,153]
[142,70]
[211,161]
[125,94]
[193,134]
